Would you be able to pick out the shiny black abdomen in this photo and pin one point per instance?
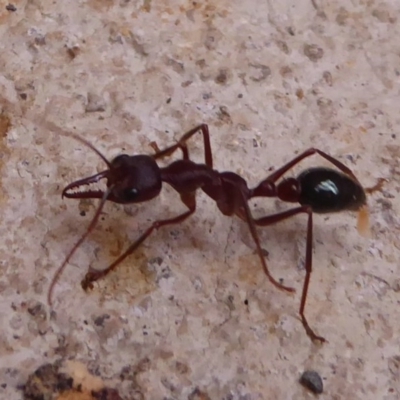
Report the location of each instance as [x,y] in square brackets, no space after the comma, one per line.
[328,190]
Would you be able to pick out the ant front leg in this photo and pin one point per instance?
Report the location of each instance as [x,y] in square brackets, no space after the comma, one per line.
[93,275]
[273,219]
[181,144]
[89,229]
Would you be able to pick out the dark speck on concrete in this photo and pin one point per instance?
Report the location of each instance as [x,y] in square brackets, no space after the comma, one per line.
[312,381]
[11,7]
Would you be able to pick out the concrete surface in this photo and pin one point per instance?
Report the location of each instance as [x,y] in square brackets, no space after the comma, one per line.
[191,315]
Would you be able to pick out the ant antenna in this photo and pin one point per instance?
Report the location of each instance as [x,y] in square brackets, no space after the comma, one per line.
[87,144]
[92,224]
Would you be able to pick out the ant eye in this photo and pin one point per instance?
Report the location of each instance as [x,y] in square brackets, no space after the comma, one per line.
[130,193]
[119,159]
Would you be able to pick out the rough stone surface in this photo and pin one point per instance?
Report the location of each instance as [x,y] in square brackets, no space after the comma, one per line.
[191,314]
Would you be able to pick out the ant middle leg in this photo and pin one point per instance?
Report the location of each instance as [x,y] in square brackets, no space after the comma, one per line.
[273,219]
[93,275]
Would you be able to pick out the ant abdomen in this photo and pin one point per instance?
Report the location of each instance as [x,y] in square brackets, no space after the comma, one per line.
[327,190]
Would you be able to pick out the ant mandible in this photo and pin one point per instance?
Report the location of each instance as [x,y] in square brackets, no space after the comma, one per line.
[138,178]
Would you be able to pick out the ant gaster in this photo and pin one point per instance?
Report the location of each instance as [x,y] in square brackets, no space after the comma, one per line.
[138,178]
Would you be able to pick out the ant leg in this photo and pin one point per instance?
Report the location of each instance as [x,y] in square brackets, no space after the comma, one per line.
[272,219]
[93,275]
[245,214]
[377,187]
[181,144]
[279,172]
[160,153]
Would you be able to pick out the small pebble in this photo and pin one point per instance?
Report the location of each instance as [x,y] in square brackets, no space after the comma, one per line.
[11,7]
[312,381]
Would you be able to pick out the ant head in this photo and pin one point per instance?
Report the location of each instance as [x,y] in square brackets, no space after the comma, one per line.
[134,179]
[130,179]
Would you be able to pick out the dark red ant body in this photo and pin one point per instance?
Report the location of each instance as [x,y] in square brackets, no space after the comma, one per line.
[135,179]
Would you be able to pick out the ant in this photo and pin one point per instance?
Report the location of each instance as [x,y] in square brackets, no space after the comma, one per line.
[138,178]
